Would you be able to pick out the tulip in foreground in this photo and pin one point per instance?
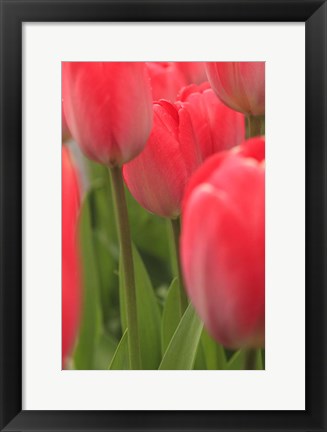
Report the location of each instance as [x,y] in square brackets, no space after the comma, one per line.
[108,108]
[71,284]
[158,176]
[223,245]
[240,85]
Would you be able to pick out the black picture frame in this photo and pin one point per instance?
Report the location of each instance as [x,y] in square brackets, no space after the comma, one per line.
[16,12]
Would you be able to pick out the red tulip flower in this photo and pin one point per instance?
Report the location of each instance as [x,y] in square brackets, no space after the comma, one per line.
[194,72]
[108,108]
[157,177]
[216,126]
[183,135]
[240,85]
[166,80]
[223,245]
[71,284]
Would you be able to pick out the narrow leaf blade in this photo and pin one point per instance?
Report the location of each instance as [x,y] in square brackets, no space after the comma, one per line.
[148,314]
[238,360]
[214,352]
[120,360]
[171,315]
[90,328]
[181,351]
[104,351]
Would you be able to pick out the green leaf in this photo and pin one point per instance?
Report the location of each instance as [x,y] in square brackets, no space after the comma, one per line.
[214,352]
[95,171]
[91,319]
[104,351]
[172,249]
[237,362]
[263,358]
[122,300]
[200,359]
[259,360]
[106,250]
[149,234]
[171,315]
[107,268]
[105,245]
[120,360]
[148,230]
[181,351]
[148,314]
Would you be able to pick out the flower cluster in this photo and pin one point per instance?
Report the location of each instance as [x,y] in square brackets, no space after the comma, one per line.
[186,141]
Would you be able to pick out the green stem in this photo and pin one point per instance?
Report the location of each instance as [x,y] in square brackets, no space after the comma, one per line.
[183,303]
[171,246]
[254,125]
[250,359]
[126,255]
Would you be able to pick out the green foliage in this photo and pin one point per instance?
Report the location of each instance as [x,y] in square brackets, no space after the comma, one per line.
[104,351]
[200,359]
[100,325]
[181,351]
[171,315]
[90,330]
[214,353]
[238,361]
[148,314]
[120,360]
[149,232]
[149,236]
[263,358]
[106,249]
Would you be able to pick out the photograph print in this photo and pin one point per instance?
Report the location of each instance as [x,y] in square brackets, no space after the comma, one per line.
[163,216]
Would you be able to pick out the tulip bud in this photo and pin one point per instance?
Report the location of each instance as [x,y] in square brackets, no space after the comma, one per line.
[166,80]
[157,177]
[240,85]
[216,126]
[71,285]
[223,245]
[108,108]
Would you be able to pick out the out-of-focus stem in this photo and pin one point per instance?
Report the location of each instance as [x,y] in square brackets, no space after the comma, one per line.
[126,255]
[254,125]
[250,359]
[175,225]
[171,245]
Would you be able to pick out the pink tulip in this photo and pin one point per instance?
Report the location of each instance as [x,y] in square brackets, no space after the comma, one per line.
[108,108]
[157,177]
[166,80]
[216,126]
[240,85]
[223,245]
[194,72]
[65,134]
[71,284]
